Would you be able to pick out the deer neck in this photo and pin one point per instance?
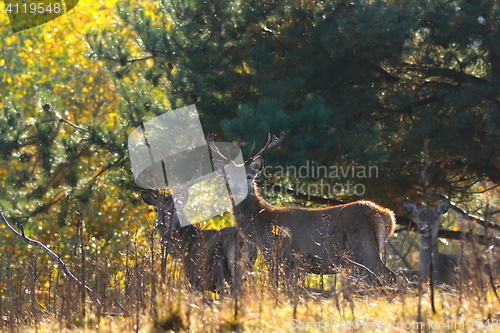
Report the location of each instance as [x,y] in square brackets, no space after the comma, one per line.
[180,240]
[429,248]
[251,213]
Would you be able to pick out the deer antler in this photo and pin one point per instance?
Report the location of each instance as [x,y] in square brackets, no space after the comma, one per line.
[213,147]
[251,151]
[269,145]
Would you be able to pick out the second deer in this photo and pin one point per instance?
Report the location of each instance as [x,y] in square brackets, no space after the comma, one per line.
[321,240]
[211,258]
[446,268]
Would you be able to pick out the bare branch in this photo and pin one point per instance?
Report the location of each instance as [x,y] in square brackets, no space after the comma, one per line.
[54,256]
[475,219]
[73,125]
[369,271]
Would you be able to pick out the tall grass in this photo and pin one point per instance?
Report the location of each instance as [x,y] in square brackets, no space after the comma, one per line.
[138,296]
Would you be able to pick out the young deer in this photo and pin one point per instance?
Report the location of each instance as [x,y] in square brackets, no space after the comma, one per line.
[320,240]
[446,268]
[211,258]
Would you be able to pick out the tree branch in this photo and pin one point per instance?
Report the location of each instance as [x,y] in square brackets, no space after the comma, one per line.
[73,125]
[475,219]
[459,77]
[54,256]
[469,237]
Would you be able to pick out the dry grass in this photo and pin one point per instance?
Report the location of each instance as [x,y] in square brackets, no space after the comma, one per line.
[262,313]
[264,309]
[36,297]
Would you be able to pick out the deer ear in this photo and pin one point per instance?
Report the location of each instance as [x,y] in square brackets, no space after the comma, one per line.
[148,198]
[442,207]
[256,165]
[410,207]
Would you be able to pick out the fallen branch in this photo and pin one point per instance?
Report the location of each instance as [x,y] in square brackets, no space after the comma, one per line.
[54,256]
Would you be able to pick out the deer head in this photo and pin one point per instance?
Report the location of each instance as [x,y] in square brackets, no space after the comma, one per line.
[426,216]
[253,165]
[168,207]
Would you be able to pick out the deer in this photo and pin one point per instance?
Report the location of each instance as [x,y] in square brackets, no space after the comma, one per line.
[446,268]
[319,240]
[211,258]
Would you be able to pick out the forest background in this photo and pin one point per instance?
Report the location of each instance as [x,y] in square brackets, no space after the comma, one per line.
[352,84]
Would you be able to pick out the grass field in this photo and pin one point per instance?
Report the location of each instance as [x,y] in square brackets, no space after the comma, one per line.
[139,295]
[172,307]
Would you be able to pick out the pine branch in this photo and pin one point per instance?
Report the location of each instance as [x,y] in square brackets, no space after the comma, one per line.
[457,76]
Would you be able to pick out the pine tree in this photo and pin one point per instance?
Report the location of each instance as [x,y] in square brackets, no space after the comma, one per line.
[364,82]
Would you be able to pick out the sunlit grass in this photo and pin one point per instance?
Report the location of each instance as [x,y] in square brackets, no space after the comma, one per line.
[137,298]
[263,310]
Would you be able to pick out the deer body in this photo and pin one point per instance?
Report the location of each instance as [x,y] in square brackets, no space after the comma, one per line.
[446,268]
[211,258]
[450,267]
[319,239]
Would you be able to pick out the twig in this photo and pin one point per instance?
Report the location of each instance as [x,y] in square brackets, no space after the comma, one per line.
[73,125]
[54,256]
[357,264]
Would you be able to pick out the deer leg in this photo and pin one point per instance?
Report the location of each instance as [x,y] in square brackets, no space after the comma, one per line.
[365,250]
[232,252]
[222,270]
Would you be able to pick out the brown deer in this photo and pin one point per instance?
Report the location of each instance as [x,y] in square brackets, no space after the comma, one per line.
[211,258]
[446,268]
[320,240]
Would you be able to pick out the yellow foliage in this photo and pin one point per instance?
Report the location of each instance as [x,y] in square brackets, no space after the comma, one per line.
[52,59]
